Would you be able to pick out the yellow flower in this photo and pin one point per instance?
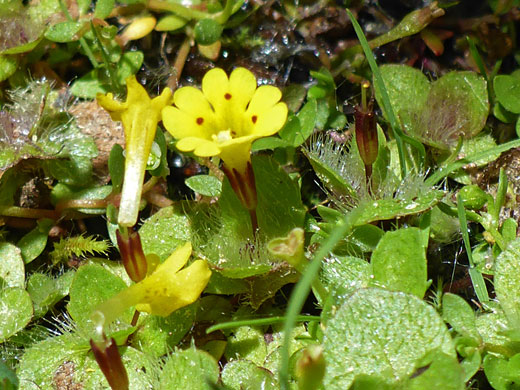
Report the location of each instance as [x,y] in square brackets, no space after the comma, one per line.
[139,115]
[225,117]
[166,289]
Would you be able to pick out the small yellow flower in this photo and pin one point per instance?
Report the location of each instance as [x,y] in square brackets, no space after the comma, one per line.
[225,117]
[139,115]
[166,289]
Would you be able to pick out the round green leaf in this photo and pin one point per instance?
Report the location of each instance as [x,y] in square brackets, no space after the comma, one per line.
[507,90]
[507,281]
[164,231]
[34,242]
[383,334]
[407,89]
[189,370]
[16,311]
[207,31]
[12,268]
[245,375]
[91,286]
[399,261]
[205,185]
[459,314]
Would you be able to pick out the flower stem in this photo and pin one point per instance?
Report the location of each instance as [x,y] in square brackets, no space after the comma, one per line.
[178,65]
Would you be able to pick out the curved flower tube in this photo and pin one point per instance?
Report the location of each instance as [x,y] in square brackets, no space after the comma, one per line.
[223,120]
[166,289]
[140,116]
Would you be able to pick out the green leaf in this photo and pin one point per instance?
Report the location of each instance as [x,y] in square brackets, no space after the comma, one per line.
[399,261]
[444,372]
[297,135]
[247,342]
[293,95]
[34,242]
[8,66]
[12,268]
[64,31]
[46,291]
[493,328]
[43,361]
[507,281]
[92,285]
[205,185]
[280,208]
[507,90]
[90,84]
[16,309]
[471,89]
[219,284]
[437,113]
[270,143]
[496,370]
[189,370]
[383,333]
[502,114]
[103,8]
[384,209]
[8,378]
[129,64]
[245,375]
[164,231]
[170,23]
[407,89]
[22,48]
[459,314]
[156,336]
[116,167]
[207,31]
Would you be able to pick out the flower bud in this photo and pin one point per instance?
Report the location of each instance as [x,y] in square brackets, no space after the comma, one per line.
[132,254]
[473,197]
[310,368]
[290,248]
[138,28]
[366,134]
[109,361]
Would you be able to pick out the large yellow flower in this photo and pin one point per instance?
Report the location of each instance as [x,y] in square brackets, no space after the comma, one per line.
[225,117]
[139,115]
[167,289]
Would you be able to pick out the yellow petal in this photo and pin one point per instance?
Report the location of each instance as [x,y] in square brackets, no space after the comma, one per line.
[161,101]
[264,98]
[215,85]
[269,122]
[201,147]
[113,107]
[136,92]
[181,124]
[192,101]
[236,153]
[242,85]
[165,293]
[176,260]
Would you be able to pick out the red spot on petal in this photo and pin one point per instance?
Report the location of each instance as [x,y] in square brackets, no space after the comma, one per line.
[227,96]
[200,120]
[254,118]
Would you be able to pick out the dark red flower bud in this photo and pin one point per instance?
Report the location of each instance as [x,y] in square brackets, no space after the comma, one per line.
[109,361]
[132,255]
[366,134]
